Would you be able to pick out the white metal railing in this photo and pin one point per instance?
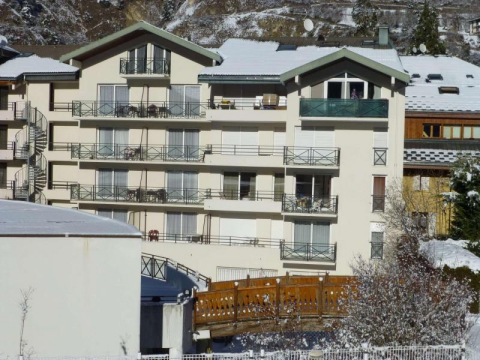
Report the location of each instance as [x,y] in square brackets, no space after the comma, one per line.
[443,352]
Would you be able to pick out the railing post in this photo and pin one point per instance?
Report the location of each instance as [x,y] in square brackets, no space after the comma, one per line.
[277,299]
[235,303]
[152,267]
[320,297]
[248,280]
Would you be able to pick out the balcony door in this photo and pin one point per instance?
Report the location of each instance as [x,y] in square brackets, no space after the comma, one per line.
[239,186]
[3,175]
[112,142]
[183,144]
[112,184]
[184,100]
[180,225]
[238,140]
[182,186]
[113,100]
[315,187]
[3,137]
[137,60]
[3,97]
[314,145]
[161,60]
[311,237]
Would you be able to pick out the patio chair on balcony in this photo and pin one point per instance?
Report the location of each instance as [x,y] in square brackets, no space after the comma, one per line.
[152,111]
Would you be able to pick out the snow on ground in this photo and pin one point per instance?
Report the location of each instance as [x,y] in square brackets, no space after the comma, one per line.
[451,253]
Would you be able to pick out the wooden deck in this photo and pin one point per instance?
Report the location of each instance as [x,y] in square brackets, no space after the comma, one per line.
[233,307]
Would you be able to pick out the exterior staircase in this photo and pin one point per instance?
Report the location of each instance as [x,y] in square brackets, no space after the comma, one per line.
[30,143]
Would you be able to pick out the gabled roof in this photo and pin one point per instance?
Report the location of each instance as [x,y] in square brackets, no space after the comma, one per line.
[261,62]
[129,32]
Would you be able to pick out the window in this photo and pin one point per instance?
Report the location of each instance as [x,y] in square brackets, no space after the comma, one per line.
[113,100]
[435,77]
[377,240]
[116,214]
[137,60]
[348,86]
[420,221]
[315,146]
[431,130]
[312,237]
[287,47]
[471,132]
[313,186]
[448,90]
[239,186]
[380,145]
[180,225]
[452,131]
[278,187]
[161,60]
[421,183]
[184,100]
[112,184]
[378,194]
[182,186]
[183,144]
[112,142]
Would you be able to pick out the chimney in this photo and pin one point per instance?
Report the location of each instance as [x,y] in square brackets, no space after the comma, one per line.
[383,35]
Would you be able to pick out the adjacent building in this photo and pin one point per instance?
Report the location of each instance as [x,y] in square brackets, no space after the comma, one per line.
[254,158]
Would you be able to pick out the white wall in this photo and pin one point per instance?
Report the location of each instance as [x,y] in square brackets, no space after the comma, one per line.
[86,297]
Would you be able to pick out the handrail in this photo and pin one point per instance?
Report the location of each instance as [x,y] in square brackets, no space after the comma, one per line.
[144,66]
[133,194]
[213,240]
[18,108]
[139,109]
[245,104]
[138,152]
[167,261]
[310,204]
[252,150]
[312,156]
[63,185]
[245,195]
[9,184]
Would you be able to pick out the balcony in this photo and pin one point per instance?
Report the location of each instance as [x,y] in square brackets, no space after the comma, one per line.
[249,109]
[306,156]
[380,156]
[144,68]
[344,108]
[14,111]
[138,194]
[160,153]
[310,205]
[308,252]
[139,110]
[245,156]
[155,236]
[240,201]
[7,190]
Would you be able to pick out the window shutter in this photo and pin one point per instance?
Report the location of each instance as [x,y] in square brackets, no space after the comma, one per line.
[121,95]
[176,98]
[380,138]
[232,137]
[192,100]
[192,142]
[105,213]
[105,139]
[304,141]
[302,234]
[321,236]
[279,140]
[324,137]
[121,141]
[106,100]
[121,178]
[175,143]
[174,225]
[238,228]
[189,224]
[105,177]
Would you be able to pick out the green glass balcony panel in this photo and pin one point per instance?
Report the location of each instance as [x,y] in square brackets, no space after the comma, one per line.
[353,108]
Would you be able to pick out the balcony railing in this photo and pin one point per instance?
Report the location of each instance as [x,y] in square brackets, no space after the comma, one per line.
[158,110]
[61,185]
[309,204]
[247,104]
[144,66]
[118,152]
[356,108]
[154,236]
[18,108]
[378,203]
[246,150]
[380,156]
[138,194]
[376,250]
[311,156]
[244,195]
[308,252]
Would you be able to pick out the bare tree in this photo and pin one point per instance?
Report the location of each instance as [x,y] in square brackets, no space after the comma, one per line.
[24,307]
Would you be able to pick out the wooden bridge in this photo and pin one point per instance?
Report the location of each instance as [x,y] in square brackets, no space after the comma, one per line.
[256,305]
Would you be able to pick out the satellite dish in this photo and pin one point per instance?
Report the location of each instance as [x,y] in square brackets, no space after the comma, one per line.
[414,50]
[423,48]
[308,25]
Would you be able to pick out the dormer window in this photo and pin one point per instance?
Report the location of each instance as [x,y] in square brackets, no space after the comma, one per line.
[435,77]
[469,76]
[448,90]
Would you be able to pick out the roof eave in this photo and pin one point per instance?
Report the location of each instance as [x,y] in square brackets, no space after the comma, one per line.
[247,79]
[345,53]
[147,27]
[52,76]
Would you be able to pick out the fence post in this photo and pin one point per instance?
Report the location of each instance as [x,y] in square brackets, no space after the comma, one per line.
[320,297]
[248,280]
[235,303]
[277,299]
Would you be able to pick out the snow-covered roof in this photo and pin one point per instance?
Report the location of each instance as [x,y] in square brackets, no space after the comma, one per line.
[451,253]
[30,65]
[425,96]
[23,218]
[253,58]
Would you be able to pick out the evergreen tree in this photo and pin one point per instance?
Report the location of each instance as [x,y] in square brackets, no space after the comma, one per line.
[365,15]
[426,31]
[168,10]
[465,181]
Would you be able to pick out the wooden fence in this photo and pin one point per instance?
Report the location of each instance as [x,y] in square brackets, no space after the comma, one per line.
[255,299]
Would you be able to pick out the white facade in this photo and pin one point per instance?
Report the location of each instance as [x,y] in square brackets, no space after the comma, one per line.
[257,169]
[84,274]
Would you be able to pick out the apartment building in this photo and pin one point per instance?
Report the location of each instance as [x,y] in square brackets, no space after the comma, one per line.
[442,122]
[254,158]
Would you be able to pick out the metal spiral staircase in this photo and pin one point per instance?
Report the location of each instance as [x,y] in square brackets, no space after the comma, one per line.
[30,143]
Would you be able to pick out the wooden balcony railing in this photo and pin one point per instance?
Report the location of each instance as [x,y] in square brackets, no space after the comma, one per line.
[353,108]
[130,109]
[310,204]
[297,155]
[163,153]
[318,298]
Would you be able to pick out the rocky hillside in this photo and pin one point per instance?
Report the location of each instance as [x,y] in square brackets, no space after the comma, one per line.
[210,22]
